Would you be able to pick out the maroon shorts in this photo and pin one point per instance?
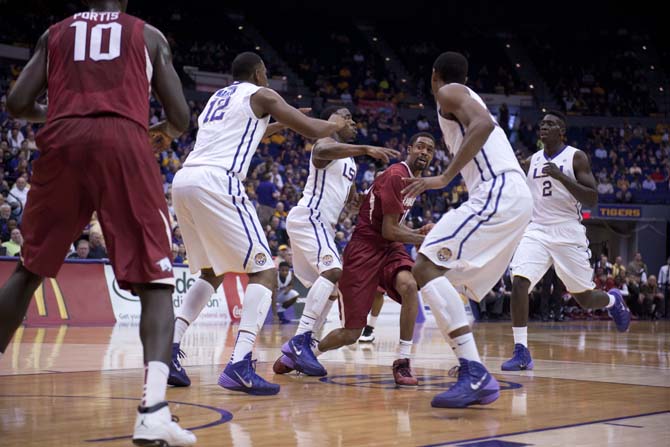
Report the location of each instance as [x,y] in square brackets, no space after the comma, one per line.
[104,164]
[367,265]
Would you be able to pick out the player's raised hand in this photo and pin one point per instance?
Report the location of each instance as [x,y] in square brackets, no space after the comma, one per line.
[381,153]
[552,170]
[159,136]
[417,185]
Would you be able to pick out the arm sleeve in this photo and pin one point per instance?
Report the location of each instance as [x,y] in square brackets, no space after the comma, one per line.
[391,195]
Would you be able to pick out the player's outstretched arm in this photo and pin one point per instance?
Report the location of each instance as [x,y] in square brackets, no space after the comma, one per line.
[166,84]
[22,100]
[330,149]
[584,188]
[278,127]
[266,101]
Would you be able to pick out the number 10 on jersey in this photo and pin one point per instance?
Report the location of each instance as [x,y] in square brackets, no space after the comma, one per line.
[95,51]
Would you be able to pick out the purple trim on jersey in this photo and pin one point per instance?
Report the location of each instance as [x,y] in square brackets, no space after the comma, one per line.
[323,186]
[495,209]
[260,241]
[246,152]
[469,218]
[325,234]
[239,146]
[555,155]
[246,230]
[479,168]
[488,164]
[318,241]
[316,179]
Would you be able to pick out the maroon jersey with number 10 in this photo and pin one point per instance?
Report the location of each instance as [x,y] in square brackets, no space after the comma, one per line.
[98,65]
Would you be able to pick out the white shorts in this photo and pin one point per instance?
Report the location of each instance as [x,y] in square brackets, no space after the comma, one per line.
[312,243]
[563,245]
[476,241]
[220,226]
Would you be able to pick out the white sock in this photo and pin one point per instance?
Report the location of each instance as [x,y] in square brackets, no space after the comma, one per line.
[257,301]
[317,352]
[324,316]
[520,335]
[372,320]
[466,347]
[243,345]
[180,326]
[194,302]
[612,300]
[452,344]
[405,349]
[155,383]
[315,304]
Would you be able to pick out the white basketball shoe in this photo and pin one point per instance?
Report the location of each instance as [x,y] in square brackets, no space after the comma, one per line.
[155,426]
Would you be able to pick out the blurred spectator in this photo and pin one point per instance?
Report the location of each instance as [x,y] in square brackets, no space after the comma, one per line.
[604,265]
[284,254]
[97,248]
[83,249]
[638,268]
[649,184]
[664,285]
[605,187]
[618,269]
[13,245]
[267,194]
[652,299]
[19,192]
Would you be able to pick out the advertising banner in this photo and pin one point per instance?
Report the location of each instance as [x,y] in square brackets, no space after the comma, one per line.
[224,305]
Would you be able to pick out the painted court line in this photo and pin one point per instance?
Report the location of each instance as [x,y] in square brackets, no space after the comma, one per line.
[538,430]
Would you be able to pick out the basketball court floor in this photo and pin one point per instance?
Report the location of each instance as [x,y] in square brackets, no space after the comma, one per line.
[591,386]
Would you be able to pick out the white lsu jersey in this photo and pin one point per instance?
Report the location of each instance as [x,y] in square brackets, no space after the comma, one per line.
[496,157]
[229,131]
[552,202]
[327,189]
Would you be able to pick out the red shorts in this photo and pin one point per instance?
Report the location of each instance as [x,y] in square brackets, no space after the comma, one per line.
[104,164]
[367,265]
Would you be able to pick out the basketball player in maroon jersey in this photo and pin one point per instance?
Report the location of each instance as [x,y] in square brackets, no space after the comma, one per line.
[376,257]
[99,67]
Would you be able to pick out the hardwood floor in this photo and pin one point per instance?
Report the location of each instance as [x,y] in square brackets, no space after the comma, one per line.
[591,386]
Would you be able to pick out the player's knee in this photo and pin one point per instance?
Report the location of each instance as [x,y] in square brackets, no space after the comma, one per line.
[332,275]
[209,276]
[266,278]
[351,336]
[424,270]
[407,286]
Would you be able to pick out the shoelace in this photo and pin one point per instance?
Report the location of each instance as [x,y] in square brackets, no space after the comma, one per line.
[175,418]
[453,372]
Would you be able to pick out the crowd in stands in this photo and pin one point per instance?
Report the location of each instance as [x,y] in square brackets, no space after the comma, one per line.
[612,81]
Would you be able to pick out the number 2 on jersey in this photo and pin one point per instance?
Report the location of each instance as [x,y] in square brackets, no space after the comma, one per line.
[95,51]
[546,188]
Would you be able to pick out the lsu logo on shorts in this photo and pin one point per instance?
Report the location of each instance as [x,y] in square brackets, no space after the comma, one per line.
[260,259]
[444,254]
[327,260]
